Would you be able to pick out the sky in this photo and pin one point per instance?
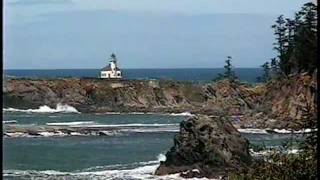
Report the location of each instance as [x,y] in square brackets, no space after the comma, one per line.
[66,34]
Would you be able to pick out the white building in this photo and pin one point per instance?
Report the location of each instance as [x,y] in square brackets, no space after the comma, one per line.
[111,71]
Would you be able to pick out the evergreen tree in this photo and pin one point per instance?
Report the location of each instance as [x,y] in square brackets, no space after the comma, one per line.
[274,67]
[281,44]
[305,52]
[266,72]
[296,42]
[229,73]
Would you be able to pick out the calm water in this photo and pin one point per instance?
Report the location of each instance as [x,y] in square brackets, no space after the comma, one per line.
[128,155]
[202,75]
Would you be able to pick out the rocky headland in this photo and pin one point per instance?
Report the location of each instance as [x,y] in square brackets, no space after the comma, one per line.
[277,104]
[207,145]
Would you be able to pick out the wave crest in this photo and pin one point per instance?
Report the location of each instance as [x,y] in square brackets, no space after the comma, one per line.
[64,108]
[146,171]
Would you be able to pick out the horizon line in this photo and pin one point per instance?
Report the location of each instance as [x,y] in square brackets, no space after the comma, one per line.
[129,68]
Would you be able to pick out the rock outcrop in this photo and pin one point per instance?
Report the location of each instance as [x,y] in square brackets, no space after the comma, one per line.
[277,104]
[89,95]
[206,147]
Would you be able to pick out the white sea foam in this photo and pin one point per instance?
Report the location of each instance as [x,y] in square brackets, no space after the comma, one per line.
[16,134]
[46,109]
[70,123]
[109,113]
[58,134]
[270,151]
[9,122]
[49,134]
[284,131]
[182,114]
[143,172]
[253,131]
[40,134]
[123,125]
[279,131]
[150,130]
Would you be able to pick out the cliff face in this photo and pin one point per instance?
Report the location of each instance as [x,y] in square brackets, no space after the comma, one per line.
[289,98]
[152,96]
[276,104]
[283,103]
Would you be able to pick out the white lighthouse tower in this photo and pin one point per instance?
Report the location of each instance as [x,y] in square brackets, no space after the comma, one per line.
[111,71]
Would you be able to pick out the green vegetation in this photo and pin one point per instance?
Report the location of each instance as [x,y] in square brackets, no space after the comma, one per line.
[229,72]
[296,42]
[280,165]
[296,46]
[266,73]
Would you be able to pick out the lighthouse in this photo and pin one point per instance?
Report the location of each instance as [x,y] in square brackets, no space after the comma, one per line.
[111,71]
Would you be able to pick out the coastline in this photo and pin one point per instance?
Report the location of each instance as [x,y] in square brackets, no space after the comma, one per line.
[252,106]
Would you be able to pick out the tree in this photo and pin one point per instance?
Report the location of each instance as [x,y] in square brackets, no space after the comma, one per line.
[266,72]
[229,73]
[296,41]
[305,52]
[274,71]
[281,44]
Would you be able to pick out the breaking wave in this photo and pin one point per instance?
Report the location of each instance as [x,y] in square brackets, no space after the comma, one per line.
[46,109]
[182,114]
[253,131]
[145,170]
[278,131]
[70,123]
[118,125]
[9,122]
[270,151]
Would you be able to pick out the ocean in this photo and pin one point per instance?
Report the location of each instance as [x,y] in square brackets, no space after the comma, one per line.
[195,75]
[133,152]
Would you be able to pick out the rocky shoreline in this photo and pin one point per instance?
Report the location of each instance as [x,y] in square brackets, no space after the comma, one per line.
[208,143]
[278,104]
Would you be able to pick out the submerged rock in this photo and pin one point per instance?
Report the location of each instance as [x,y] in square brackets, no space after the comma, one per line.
[206,147]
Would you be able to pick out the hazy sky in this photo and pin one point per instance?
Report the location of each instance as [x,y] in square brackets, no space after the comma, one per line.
[61,34]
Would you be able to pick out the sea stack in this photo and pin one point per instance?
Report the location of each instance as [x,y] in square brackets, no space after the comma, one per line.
[206,147]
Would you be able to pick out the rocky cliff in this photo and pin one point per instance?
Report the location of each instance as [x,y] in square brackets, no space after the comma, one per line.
[152,96]
[283,103]
[277,104]
[210,146]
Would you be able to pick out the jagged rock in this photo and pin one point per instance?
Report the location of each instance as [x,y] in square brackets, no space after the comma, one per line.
[282,100]
[209,144]
[92,95]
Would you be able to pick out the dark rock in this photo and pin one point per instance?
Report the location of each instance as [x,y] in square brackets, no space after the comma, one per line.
[33,133]
[209,144]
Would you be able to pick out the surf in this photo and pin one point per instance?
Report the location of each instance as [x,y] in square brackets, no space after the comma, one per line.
[60,108]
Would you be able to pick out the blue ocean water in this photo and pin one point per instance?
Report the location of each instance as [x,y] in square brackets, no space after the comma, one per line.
[133,153]
[244,74]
